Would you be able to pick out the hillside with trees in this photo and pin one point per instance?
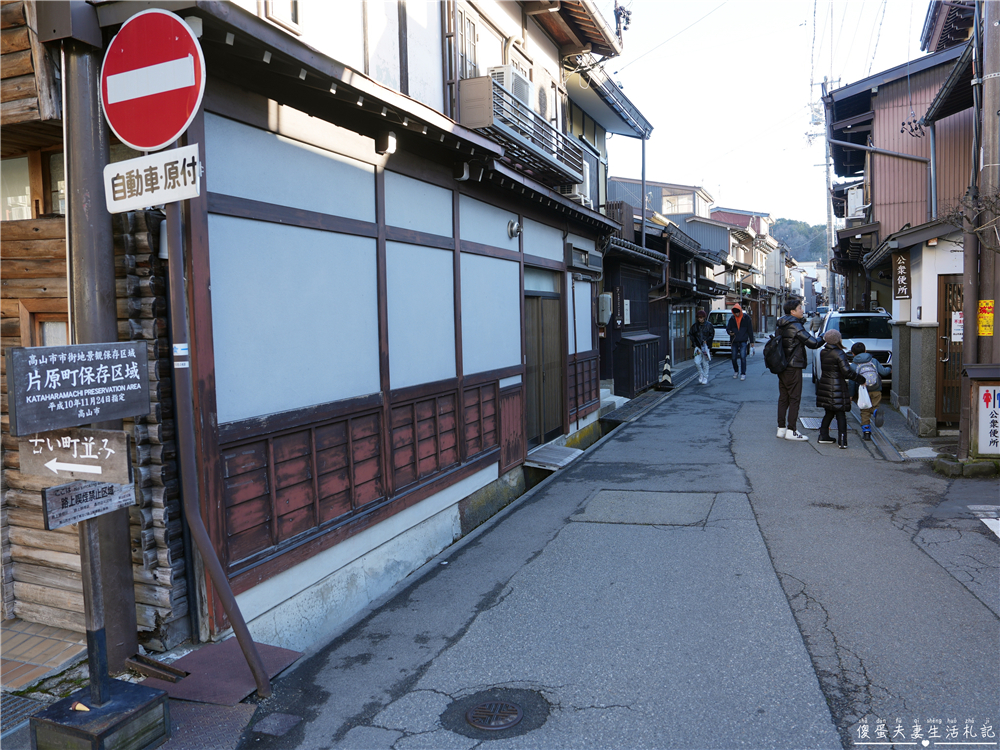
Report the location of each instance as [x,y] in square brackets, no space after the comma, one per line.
[805,242]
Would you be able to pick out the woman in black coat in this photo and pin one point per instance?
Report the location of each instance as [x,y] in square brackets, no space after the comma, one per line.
[831,392]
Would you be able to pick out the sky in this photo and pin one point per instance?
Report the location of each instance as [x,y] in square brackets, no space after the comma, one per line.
[726,87]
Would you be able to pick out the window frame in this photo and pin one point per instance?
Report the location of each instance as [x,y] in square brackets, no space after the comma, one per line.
[267,11]
[32,312]
[466,17]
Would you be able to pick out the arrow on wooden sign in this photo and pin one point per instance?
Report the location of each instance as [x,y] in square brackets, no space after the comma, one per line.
[55,466]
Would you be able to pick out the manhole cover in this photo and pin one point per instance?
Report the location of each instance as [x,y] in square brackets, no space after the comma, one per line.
[494,716]
[481,715]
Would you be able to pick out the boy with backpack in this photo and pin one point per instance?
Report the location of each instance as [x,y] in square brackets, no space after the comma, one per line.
[873,372]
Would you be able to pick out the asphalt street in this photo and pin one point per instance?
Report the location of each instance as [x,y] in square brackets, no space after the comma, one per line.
[689,582]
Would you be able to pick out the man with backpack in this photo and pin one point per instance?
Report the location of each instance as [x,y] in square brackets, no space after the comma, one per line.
[874,371]
[794,339]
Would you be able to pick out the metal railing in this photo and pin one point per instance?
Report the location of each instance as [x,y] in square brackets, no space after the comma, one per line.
[549,155]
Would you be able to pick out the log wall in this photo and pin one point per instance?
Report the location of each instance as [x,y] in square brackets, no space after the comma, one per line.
[41,569]
[32,275]
[28,90]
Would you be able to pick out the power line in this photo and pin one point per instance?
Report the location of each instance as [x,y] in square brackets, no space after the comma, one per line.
[878,36]
[673,37]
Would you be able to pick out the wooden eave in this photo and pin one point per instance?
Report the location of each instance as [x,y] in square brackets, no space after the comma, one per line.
[30,99]
[577,27]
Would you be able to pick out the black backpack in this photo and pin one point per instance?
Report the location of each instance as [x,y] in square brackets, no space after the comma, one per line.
[774,355]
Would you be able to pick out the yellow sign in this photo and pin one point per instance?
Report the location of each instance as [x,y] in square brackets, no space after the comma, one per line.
[985,317]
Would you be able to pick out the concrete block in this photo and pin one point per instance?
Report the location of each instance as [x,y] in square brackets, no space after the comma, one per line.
[979,469]
[948,466]
[491,499]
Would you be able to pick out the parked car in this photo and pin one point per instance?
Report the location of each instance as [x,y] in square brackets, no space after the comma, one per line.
[718,319]
[873,329]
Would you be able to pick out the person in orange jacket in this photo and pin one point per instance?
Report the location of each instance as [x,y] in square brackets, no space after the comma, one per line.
[740,330]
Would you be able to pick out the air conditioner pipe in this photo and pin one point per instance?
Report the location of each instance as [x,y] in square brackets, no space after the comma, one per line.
[507,44]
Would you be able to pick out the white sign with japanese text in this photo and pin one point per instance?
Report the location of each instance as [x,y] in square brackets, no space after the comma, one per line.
[80,501]
[957,327]
[153,180]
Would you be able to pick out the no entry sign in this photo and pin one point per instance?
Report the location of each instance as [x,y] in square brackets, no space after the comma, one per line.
[152,80]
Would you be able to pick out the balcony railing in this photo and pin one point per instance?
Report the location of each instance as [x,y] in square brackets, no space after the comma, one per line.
[533,146]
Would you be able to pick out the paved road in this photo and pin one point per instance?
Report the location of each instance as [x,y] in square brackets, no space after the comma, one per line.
[690,582]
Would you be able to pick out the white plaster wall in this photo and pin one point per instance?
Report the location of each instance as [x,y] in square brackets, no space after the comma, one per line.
[303,607]
[542,49]
[486,224]
[926,265]
[383,42]
[581,295]
[282,324]
[423,47]
[247,162]
[421,306]
[417,205]
[335,29]
[543,241]
[491,313]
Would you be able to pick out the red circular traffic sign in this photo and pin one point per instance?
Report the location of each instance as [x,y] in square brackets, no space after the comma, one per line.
[152,80]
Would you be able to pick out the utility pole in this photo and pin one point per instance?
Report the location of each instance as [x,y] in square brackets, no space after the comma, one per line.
[989,175]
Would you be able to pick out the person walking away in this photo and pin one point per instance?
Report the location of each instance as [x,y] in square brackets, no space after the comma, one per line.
[873,371]
[701,335]
[795,339]
[831,391]
[814,323]
[740,330]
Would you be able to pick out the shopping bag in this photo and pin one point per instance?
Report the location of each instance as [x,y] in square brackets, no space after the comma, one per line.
[864,400]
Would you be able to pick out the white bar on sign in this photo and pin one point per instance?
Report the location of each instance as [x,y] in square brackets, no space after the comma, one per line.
[154,79]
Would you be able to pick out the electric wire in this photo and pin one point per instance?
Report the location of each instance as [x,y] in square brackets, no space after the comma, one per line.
[878,36]
[671,38]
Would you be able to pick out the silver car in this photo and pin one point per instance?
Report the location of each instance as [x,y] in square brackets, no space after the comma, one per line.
[873,329]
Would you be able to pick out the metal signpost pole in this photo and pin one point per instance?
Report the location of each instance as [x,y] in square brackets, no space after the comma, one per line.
[110,625]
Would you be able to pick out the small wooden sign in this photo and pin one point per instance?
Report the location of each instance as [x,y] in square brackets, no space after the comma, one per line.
[78,453]
[901,276]
[53,387]
[79,501]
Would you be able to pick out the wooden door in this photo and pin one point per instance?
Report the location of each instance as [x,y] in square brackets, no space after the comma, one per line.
[543,368]
[948,387]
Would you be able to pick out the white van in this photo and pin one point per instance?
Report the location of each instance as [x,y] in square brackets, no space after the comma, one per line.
[718,319]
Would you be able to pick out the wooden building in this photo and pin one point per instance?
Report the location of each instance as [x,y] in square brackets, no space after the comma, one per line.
[903,183]
[393,268]
[41,569]
[759,287]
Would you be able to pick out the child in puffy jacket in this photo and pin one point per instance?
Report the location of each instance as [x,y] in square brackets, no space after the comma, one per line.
[873,370]
[832,393]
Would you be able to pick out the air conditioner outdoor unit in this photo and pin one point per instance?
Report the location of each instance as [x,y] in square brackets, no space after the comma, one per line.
[856,202]
[514,81]
[580,192]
